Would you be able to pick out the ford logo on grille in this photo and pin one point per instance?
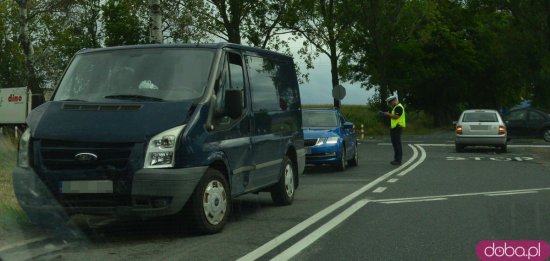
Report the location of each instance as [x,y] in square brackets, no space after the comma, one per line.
[85,157]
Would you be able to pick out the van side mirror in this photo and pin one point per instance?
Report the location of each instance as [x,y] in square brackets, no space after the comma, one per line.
[233,103]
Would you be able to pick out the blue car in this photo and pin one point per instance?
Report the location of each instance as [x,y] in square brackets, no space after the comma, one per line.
[329,138]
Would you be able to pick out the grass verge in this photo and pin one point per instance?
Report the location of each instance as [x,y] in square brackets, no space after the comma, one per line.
[12,218]
[418,122]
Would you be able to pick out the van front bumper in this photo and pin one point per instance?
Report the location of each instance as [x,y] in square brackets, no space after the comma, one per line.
[154,193]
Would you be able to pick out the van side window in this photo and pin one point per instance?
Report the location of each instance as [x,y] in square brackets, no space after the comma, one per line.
[232,77]
[263,76]
[287,84]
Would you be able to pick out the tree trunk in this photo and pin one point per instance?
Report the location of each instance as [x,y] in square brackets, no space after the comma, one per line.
[155,22]
[26,45]
[334,72]
[234,35]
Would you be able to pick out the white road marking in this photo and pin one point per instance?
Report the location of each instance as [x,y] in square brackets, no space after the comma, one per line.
[318,233]
[379,190]
[277,241]
[392,180]
[486,193]
[511,193]
[422,158]
[451,145]
[412,201]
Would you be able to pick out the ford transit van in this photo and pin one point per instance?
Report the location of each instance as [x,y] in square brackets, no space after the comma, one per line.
[163,130]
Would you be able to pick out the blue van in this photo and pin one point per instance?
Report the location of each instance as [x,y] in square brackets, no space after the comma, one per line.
[163,130]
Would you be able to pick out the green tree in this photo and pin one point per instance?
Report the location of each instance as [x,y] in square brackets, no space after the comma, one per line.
[122,23]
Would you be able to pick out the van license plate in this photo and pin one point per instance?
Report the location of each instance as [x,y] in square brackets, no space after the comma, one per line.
[86,186]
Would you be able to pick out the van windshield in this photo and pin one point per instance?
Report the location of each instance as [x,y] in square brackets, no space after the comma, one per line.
[150,74]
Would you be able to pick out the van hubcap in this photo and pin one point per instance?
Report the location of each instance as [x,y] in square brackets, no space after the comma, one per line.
[547,135]
[289,180]
[214,202]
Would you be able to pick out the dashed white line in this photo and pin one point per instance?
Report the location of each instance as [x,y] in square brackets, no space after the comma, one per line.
[379,190]
[392,180]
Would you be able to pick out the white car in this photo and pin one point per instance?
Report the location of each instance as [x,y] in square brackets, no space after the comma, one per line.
[480,128]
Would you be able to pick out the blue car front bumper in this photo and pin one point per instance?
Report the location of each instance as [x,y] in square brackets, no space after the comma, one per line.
[324,154]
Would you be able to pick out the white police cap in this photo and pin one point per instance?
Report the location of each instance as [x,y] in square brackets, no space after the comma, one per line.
[391,98]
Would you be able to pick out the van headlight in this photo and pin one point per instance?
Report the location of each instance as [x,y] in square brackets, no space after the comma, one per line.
[161,149]
[23,151]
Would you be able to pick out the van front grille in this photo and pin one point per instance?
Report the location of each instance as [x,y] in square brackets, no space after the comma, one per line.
[61,155]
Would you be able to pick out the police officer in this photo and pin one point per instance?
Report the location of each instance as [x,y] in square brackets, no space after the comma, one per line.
[397,123]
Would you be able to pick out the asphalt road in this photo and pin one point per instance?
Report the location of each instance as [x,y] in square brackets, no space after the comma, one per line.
[437,206]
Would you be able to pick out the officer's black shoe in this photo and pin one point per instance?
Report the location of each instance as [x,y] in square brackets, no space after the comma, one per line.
[395,163]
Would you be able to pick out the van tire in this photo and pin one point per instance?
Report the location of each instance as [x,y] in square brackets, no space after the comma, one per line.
[282,193]
[209,218]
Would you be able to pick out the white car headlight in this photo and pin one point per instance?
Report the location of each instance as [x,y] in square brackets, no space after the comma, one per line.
[332,140]
[23,151]
[161,149]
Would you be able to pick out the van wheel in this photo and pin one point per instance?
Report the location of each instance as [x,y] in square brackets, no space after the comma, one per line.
[210,203]
[355,160]
[282,193]
[546,134]
[341,166]
[459,148]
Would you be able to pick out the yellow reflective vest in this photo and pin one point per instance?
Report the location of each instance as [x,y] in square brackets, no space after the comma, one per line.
[399,121]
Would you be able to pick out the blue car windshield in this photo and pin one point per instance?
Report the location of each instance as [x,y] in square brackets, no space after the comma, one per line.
[152,74]
[319,119]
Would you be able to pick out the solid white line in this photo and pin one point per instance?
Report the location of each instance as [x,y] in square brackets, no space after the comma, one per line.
[379,190]
[412,201]
[511,193]
[272,244]
[318,233]
[392,180]
[422,158]
[486,193]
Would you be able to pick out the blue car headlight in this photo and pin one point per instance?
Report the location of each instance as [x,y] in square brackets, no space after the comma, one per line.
[332,140]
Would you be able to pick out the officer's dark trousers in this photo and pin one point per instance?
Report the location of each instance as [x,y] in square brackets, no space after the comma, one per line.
[395,135]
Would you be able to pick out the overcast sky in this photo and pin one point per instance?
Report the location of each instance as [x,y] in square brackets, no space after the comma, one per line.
[319,88]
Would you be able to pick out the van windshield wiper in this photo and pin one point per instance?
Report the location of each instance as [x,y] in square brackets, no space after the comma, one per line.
[132,97]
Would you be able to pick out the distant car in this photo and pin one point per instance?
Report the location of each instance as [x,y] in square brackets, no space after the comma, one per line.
[329,138]
[480,128]
[528,122]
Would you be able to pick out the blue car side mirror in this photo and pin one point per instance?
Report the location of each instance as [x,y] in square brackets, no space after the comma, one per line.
[348,125]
